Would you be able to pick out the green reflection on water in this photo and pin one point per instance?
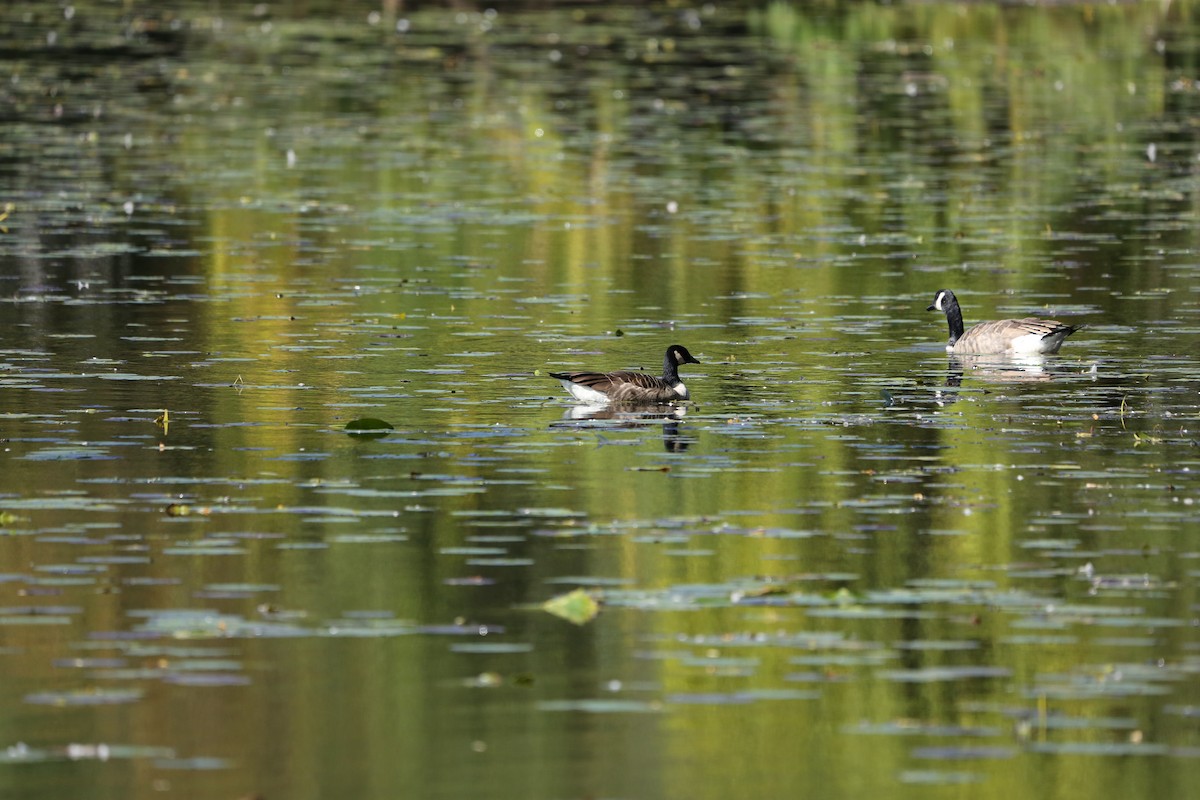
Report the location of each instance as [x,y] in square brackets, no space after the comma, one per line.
[273,221]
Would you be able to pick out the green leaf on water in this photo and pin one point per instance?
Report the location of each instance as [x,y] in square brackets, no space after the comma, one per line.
[369,426]
[578,607]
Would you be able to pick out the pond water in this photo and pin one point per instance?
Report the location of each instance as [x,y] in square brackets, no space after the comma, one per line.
[852,566]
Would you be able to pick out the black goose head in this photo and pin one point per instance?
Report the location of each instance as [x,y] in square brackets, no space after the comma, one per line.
[947,303]
[944,300]
[676,355]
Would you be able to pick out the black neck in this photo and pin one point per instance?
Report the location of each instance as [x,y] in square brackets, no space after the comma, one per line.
[670,368]
[954,319]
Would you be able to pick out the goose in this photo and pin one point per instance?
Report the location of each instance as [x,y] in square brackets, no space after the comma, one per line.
[1028,336]
[628,386]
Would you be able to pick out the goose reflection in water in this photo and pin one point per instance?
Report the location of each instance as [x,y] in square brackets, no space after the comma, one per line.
[630,416]
[1026,368]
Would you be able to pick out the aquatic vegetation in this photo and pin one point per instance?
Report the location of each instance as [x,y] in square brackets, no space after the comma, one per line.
[282,471]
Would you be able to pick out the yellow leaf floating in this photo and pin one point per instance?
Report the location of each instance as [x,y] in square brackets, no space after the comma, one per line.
[578,607]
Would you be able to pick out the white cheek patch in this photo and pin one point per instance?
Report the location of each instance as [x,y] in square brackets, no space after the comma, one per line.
[938,302]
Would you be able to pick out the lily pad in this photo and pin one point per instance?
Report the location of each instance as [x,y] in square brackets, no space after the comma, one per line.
[371,426]
[578,607]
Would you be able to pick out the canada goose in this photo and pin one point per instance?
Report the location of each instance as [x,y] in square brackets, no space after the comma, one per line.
[1005,336]
[627,386]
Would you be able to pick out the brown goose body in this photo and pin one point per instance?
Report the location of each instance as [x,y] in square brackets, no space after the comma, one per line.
[1027,336]
[630,386]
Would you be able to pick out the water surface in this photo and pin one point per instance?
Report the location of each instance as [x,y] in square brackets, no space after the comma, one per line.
[852,566]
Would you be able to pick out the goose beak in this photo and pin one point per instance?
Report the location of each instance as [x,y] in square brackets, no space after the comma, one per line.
[932,308]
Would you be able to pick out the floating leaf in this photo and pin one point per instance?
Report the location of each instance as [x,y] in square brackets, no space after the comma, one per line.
[370,426]
[578,607]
